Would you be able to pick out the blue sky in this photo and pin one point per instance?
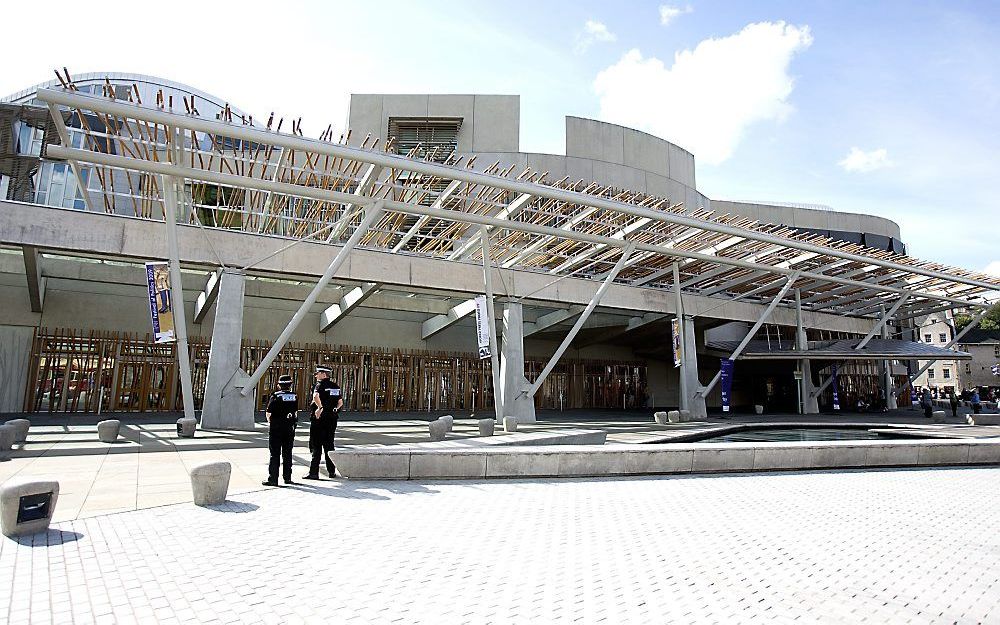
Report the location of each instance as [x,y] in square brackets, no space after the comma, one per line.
[889,108]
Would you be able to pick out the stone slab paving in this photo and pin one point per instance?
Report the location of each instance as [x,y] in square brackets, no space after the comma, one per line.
[914,546]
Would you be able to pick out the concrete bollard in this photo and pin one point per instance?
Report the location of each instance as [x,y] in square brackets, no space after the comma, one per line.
[26,507]
[674,416]
[685,415]
[487,426]
[20,429]
[438,429]
[186,427]
[449,421]
[7,434]
[937,416]
[660,417]
[210,483]
[109,430]
[510,424]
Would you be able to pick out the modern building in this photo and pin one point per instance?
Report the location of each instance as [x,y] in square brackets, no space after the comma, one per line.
[588,249]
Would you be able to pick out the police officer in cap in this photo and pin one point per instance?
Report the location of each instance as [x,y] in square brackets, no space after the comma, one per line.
[282,408]
[327,402]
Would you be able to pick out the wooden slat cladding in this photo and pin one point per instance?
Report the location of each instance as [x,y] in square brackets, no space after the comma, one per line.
[77,370]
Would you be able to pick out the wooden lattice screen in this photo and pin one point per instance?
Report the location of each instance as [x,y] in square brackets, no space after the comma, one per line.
[75,371]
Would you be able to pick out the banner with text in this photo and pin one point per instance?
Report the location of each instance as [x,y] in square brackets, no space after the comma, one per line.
[675,332]
[161,310]
[727,382]
[836,394]
[483,330]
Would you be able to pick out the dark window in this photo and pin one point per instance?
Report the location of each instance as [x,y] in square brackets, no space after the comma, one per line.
[434,138]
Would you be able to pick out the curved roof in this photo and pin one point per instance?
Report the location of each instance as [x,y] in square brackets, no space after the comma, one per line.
[99,77]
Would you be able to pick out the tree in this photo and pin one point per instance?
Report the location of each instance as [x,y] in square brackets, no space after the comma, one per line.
[990,321]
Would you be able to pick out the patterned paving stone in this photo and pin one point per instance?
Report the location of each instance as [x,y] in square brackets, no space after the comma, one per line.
[916,546]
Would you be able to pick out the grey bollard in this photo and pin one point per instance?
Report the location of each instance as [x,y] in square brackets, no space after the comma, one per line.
[438,429]
[937,416]
[487,426]
[510,424]
[20,429]
[674,416]
[26,507]
[685,415]
[449,421]
[186,427]
[660,417]
[210,483]
[108,430]
[7,434]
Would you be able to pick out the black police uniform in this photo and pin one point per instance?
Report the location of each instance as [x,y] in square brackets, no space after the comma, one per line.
[282,407]
[322,430]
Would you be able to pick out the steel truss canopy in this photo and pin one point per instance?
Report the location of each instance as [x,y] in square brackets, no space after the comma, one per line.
[846,349]
[258,180]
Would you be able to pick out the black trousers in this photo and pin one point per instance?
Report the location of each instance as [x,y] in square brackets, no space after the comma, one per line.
[954,410]
[321,434]
[928,409]
[280,440]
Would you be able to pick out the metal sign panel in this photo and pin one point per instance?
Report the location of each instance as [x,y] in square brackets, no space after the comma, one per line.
[482,330]
[161,311]
[727,382]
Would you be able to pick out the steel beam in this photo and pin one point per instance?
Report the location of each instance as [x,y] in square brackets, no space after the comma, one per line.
[753,330]
[351,300]
[112,160]
[551,319]
[373,213]
[504,213]
[36,281]
[437,323]
[207,296]
[877,328]
[628,251]
[491,327]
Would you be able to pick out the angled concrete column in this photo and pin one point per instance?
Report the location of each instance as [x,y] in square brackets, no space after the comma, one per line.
[224,406]
[516,401]
[695,400]
[807,390]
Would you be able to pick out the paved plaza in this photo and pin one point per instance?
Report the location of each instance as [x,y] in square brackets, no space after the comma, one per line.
[904,546]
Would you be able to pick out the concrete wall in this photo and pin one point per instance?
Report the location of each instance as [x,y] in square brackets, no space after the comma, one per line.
[811,218]
[979,371]
[491,123]
[15,351]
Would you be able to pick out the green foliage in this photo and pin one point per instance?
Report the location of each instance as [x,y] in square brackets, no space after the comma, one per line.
[991,321]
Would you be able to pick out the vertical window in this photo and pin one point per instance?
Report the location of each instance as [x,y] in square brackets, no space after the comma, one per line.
[930,374]
[947,374]
[927,338]
[942,338]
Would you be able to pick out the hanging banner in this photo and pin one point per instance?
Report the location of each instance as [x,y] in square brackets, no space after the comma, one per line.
[161,309]
[836,394]
[482,329]
[727,382]
[675,332]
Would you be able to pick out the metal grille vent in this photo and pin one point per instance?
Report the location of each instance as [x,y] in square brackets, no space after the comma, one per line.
[434,138]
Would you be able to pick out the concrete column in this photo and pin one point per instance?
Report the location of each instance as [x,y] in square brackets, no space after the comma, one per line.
[689,369]
[513,384]
[810,402]
[887,386]
[224,406]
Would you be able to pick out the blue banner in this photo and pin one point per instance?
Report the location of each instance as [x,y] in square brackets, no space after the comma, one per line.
[836,395]
[727,382]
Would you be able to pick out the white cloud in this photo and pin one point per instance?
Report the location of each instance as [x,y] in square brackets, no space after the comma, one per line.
[860,161]
[593,32]
[993,268]
[669,13]
[709,96]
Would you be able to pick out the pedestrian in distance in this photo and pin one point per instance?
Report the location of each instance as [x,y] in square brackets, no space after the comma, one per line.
[927,403]
[282,415]
[327,400]
[953,400]
[977,405]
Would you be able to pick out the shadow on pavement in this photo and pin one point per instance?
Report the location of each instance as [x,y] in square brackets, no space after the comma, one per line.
[237,507]
[50,538]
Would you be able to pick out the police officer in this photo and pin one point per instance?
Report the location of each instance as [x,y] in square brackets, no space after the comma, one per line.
[282,415]
[327,402]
